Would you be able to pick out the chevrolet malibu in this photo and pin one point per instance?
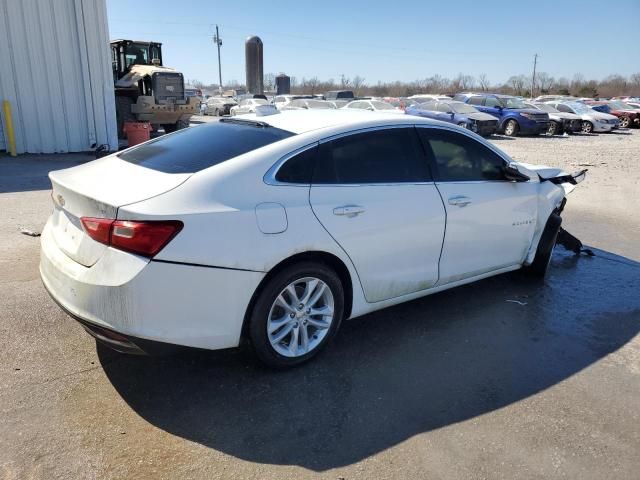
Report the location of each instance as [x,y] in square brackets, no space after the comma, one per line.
[275,227]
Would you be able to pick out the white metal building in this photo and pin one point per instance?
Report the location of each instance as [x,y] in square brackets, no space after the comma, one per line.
[55,70]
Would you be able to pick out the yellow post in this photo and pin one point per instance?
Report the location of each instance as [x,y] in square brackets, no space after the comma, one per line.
[8,121]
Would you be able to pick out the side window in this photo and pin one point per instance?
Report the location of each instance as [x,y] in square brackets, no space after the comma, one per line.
[391,155]
[475,101]
[492,102]
[563,108]
[299,168]
[460,158]
[357,105]
[443,107]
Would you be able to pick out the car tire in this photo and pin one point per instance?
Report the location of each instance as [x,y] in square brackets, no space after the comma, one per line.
[553,128]
[511,128]
[540,264]
[265,343]
[625,122]
[587,127]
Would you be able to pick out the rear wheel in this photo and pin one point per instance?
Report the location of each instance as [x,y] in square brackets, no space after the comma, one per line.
[540,264]
[296,314]
[123,114]
[587,127]
[625,122]
[511,128]
[553,128]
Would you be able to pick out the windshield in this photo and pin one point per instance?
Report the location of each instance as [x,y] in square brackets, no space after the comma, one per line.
[579,107]
[382,106]
[319,104]
[141,54]
[617,105]
[512,102]
[196,148]
[462,108]
[546,108]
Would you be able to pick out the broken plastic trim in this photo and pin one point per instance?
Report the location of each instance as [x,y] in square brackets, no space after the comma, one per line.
[571,243]
[574,178]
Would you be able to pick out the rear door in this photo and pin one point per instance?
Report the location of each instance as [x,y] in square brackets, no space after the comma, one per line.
[373,192]
[490,220]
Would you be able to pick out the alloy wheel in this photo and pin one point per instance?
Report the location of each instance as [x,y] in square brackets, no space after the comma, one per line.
[300,317]
[624,122]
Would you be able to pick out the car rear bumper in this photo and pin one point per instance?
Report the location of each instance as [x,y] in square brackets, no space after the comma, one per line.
[155,301]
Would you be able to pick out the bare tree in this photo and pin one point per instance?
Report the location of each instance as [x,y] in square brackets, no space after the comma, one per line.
[270,81]
[517,83]
[358,83]
[312,83]
[483,81]
[345,82]
[544,82]
[197,83]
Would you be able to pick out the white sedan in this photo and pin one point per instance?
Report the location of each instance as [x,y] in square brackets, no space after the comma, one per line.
[373,106]
[247,105]
[277,226]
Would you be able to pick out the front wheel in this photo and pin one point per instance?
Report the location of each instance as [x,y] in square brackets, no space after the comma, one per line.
[540,264]
[552,129]
[511,128]
[296,314]
[587,127]
[625,122]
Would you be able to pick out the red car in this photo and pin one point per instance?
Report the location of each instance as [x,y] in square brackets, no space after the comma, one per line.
[629,116]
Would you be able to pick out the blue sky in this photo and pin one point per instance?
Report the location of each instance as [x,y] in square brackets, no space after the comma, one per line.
[391,40]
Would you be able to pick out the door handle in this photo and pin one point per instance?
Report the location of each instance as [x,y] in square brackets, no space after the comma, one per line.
[460,201]
[348,210]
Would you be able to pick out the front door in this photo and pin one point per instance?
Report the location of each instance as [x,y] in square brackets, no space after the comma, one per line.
[372,191]
[490,220]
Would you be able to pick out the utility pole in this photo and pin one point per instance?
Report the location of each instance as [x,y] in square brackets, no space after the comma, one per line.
[533,77]
[218,42]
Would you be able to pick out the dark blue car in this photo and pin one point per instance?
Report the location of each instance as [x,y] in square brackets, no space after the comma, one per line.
[456,112]
[513,116]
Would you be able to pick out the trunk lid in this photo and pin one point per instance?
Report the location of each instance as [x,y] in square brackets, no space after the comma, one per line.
[98,189]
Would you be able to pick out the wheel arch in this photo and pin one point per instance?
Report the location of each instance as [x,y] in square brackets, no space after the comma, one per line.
[318,256]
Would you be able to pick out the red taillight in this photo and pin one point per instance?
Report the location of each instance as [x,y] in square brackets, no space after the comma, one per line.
[145,238]
[98,228]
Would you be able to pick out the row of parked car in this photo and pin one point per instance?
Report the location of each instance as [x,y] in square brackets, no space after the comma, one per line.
[483,113]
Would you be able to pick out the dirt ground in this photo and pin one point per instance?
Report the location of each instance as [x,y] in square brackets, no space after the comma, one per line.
[502,379]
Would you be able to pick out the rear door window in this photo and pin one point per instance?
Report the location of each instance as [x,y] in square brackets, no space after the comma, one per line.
[391,155]
[475,101]
[196,148]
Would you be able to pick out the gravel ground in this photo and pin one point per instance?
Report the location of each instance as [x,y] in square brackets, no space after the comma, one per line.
[464,384]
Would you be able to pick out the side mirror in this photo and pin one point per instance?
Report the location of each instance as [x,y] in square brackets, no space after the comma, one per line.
[512,173]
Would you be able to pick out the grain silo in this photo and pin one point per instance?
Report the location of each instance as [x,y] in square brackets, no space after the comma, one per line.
[283,84]
[253,59]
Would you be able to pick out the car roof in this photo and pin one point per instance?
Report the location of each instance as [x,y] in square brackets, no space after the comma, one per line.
[302,121]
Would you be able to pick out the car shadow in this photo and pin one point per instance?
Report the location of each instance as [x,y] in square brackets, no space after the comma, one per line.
[395,373]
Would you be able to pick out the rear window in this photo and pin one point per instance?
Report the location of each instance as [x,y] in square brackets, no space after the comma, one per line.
[196,148]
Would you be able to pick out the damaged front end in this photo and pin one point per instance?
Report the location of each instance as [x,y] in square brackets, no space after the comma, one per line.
[568,182]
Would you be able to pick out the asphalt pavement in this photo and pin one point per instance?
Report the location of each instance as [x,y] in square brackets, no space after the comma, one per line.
[505,378]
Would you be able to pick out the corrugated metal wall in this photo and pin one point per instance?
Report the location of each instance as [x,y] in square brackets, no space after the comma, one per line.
[55,69]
